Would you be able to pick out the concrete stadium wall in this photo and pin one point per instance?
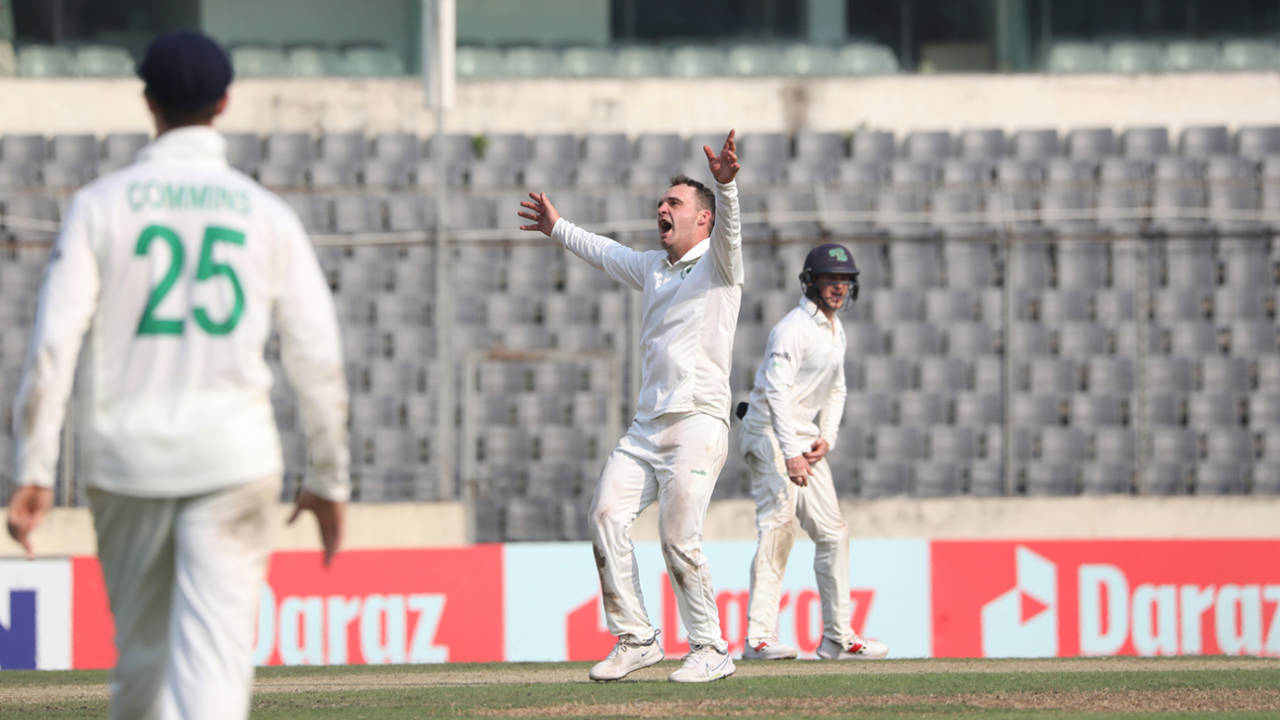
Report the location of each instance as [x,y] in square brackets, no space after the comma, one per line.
[69,531]
[897,103]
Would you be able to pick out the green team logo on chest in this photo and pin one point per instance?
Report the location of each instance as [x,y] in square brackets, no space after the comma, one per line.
[685,272]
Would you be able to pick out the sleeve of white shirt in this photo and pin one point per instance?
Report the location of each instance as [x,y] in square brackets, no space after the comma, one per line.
[782,361]
[617,261]
[311,350]
[726,237]
[832,411]
[68,300]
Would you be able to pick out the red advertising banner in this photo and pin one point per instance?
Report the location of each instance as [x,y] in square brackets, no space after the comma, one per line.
[1138,597]
[370,606]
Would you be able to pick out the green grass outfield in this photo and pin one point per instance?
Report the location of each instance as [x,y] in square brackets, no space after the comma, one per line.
[1097,688]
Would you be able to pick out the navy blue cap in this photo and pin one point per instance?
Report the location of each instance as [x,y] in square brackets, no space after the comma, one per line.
[185,71]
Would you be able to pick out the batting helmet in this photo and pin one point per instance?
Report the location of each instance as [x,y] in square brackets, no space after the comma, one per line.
[828,259]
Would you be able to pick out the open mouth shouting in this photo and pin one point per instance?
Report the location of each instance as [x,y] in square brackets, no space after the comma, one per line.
[664,227]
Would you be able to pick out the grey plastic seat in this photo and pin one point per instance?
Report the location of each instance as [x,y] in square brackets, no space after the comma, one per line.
[1036,410]
[696,61]
[819,148]
[1059,376]
[312,61]
[1064,445]
[1243,301]
[978,410]
[1115,446]
[1112,306]
[1090,143]
[45,61]
[1120,209]
[288,149]
[1250,55]
[891,306]
[1110,375]
[1159,409]
[929,146]
[1070,305]
[1068,211]
[346,147]
[664,149]
[1191,56]
[967,175]
[983,144]
[312,210]
[1169,374]
[1083,339]
[1146,143]
[943,306]
[1219,374]
[873,146]
[969,263]
[914,174]
[1093,410]
[1076,57]
[1253,338]
[945,375]
[1186,260]
[1166,478]
[912,339]
[1031,264]
[1248,269]
[259,61]
[1268,373]
[1051,478]
[23,149]
[870,409]
[1190,338]
[865,59]
[371,61]
[1135,56]
[1203,141]
[641,61]
[1205,410]
[1222,478]
[806,60]
[1257,141]
[1035,144]
[970,339]
[787,212]
[1229,445]
[18,177]
[953,444]
[476,61]
[753,60]
[1107,478]
[900,443]
[588,61]
[1233,191]
[938,479]
[884,479]
[1029,339]
[865,338]
[531,61]
[1174,444]
[923,409]
[1264,410]
[356,213]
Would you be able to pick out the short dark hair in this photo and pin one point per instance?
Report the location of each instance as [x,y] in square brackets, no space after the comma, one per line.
[706,198]
[175,118]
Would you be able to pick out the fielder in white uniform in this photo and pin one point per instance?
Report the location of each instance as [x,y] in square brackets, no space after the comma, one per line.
[678,441]
[790,425]
[171,272]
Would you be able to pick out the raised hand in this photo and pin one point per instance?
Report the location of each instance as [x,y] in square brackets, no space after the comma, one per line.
[544,215]
[724,167]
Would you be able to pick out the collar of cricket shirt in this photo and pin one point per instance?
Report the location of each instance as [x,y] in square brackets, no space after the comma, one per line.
[815,314]
[192,145]
[691,255]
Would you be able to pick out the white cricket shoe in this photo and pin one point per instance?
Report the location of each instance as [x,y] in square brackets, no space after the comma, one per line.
[627,657]
[704,664]
[859,649]
[768,650]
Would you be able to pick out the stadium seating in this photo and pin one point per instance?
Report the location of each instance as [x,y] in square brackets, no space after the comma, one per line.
[1141,354]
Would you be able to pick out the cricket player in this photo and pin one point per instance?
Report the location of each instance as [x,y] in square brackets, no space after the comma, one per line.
[172,272]
[790,425]
[678,441]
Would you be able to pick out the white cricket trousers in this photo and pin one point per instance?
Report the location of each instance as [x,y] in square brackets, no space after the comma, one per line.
[183,579]
[778,502]
[674,459]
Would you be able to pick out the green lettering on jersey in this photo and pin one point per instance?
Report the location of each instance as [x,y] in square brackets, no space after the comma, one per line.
[156,195]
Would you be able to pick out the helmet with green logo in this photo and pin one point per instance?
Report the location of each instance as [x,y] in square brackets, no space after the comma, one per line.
[828,259]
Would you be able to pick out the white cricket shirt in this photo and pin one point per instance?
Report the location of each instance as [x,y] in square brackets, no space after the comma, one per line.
[689,310]
[800,383]
[172,271]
